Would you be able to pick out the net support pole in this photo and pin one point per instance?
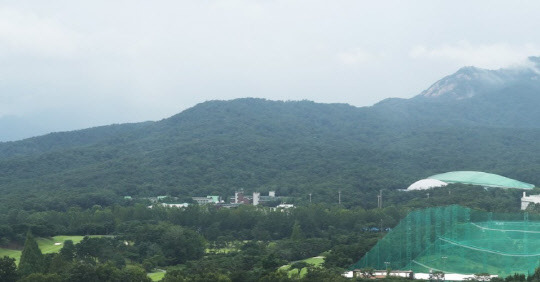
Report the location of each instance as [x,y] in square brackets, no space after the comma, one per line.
[408,239]
[467,226]
[418,230]
[525,237]
[455,219]
[438,219]
[428,227]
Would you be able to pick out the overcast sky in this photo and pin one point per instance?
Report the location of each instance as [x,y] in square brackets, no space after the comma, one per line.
[75,64]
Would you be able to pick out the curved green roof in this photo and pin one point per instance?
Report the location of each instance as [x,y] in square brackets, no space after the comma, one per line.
[481,178]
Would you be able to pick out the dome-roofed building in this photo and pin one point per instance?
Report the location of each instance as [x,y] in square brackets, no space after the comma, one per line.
[481,179]
[468,177]
[426,184]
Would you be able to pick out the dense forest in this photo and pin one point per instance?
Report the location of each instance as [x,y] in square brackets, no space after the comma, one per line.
[293,148]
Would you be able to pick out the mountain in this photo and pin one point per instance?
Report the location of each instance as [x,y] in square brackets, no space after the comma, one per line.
[474,97]
[472,120]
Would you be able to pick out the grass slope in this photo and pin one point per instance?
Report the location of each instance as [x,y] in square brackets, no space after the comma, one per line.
[156,276]
[16,254]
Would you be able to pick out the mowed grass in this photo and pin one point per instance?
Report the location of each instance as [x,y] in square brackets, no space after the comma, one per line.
[294,272]
[220,250]
[16,254]
[156,276]
[228,248]
[315,260]
[46,245]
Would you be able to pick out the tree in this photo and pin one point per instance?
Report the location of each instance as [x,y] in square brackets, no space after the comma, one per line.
[8,269]
[319,274]
[299,266]
[134,274]
[367,272]
[272,261]
[31,257]
[437,275]
[182,244]
[297,233]
[84,271]
[49,277]
[487,276]
[276,276]
[535,276]
[57,264]
[68,250]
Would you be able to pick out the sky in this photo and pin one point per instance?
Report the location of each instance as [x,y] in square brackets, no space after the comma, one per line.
[67,65]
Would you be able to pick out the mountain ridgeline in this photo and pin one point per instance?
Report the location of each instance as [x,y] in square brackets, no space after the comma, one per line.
[474,119]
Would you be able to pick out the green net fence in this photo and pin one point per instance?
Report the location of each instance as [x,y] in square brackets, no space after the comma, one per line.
[455,239]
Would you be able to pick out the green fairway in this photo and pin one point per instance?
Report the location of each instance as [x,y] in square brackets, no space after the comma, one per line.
[156,276]
[293,272]
[54,244]
[315,260]
[47,245]
[16,254]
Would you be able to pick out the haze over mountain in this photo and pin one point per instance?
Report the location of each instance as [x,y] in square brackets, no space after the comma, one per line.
[474,97]
[472,120]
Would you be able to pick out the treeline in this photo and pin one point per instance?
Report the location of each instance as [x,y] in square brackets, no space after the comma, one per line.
[248,222]
[243,223]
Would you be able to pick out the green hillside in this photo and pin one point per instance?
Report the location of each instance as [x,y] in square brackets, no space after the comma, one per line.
[217,147]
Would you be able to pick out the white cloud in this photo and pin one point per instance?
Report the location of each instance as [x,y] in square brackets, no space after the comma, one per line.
[28,34]
[491,56]
[358,56]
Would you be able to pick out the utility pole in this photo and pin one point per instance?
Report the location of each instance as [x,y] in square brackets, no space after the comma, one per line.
[339,197]
[379,199]
[310,197]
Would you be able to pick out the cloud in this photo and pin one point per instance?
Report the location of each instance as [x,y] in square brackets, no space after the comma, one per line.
[491,56]
[28,34]
[358,56]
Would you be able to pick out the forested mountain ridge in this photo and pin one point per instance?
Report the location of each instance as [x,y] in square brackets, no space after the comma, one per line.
[473,97]
[295,147]
[63,140]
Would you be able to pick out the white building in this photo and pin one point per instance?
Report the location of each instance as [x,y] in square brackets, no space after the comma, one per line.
[183,205]
[425,184]
[256,198]
[526,200]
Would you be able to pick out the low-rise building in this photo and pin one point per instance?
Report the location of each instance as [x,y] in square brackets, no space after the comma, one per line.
[526,200]
[285,206]
[207,200]
[240,198]
[381,274]
[257,199]
[182,205]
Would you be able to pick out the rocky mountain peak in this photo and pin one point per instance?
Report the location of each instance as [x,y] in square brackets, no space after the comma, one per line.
[465,83]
